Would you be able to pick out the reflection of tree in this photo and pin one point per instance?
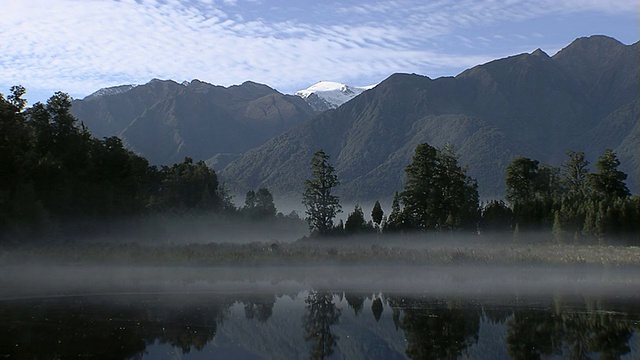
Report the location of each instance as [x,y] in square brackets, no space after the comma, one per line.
[376,308]
[355,301]
[320,314]
[531,334]
[187,327]
[74,328]
[56,330]
[436,332]
[610,337]
[576,335]
[259,307]
[497,315]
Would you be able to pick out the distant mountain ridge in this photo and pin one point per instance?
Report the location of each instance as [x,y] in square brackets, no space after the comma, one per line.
[108,91]
[165,121]
[584,98]
[327,95]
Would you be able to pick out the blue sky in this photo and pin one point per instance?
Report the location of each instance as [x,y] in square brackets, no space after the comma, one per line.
[79,46]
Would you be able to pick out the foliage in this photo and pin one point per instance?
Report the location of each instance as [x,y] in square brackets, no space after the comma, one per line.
[259,205]
[608,182]
[578,206]
[497,217]
[531,188]
[188,186]
[396,220]
[438,194]
[54,173]
[321,204]
[355,222]
[574,173]
[377,214]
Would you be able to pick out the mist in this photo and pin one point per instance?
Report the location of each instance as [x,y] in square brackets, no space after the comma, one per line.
[469,281]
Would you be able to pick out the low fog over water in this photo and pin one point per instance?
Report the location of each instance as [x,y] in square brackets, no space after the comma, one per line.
[18,281]
[190,292]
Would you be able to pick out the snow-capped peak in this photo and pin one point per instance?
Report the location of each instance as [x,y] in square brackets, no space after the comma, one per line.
[325,95]
[110,91]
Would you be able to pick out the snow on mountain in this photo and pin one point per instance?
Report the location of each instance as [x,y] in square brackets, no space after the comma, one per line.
[110,91]
[326,95]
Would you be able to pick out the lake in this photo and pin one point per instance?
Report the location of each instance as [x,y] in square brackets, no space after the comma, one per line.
[352,312]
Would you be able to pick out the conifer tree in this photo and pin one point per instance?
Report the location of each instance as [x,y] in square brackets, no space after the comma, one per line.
[609,182]
[438,194]
[321,204]
[376,214]
[355,221]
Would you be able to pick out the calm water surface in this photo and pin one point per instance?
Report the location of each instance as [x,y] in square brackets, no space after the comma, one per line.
[194,316]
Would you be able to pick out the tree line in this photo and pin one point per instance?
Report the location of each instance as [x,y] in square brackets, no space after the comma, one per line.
[568,204]
[53,173]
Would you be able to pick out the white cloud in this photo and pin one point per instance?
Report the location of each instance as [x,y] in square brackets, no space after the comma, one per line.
[80,46]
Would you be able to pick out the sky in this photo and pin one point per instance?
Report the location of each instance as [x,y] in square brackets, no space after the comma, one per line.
[79,46]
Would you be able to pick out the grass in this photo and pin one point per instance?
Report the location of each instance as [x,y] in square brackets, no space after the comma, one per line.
[320,252]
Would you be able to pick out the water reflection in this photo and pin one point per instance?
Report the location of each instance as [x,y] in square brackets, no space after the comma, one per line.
[320,315]
[328,325]
[434,330]
[575,335]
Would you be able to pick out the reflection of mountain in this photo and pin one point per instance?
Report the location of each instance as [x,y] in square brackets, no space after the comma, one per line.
[270,326]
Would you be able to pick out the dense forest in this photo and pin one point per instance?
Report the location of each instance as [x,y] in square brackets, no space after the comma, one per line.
[55,175]
[568,204]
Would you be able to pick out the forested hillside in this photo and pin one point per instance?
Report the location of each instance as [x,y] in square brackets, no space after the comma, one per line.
[584,98]
[165,121]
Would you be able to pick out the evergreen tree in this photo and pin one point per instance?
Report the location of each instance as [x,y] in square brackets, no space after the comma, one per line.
[266,209]
[438,194]
[16,146]
[574,173]
[376,214]
[355,221]
[259,205]
[521,179]
[608,182]
[497,217]
[396,219]
[188,186]
[321,205]
[532,190]
[249,203]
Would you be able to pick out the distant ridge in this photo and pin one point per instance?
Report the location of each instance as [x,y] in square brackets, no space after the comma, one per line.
[114,90]
[327,95]
[584,98]
[166,121]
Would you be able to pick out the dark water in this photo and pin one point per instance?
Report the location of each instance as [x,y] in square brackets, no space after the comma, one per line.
[194,318]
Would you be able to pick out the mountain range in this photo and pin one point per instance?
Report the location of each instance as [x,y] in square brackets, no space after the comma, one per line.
[583,98]
[165,121]
[327,95]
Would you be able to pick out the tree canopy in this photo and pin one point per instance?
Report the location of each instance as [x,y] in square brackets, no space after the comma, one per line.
[438,194]
[53,171]
[321,204]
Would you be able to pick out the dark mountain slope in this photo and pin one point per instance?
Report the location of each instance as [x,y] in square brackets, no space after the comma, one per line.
[109,115]
[606,70]
[166,121]
[530,104]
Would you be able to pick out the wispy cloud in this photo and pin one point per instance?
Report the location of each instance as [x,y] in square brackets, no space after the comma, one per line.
[80,46]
